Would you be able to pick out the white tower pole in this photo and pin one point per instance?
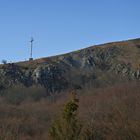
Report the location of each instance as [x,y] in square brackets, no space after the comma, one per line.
[31,49]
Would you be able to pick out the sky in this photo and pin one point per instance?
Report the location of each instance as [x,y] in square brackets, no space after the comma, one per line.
[61,26]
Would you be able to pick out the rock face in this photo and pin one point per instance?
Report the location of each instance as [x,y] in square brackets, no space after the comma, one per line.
[99,65]
[49,76]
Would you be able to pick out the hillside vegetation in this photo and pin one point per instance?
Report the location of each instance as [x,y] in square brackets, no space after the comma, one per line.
[110,113]
[36,102]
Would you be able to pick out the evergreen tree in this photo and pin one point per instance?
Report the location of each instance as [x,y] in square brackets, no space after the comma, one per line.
[67,126]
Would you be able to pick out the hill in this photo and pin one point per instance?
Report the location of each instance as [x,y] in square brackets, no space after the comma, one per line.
[98,66]
[107,104]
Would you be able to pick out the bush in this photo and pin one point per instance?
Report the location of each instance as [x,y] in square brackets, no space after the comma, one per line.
[4,61]
[17,94]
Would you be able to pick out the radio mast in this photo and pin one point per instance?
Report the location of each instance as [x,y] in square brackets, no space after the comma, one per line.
[31,51]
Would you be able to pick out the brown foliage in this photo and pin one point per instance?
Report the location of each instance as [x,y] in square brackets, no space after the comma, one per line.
[111,113]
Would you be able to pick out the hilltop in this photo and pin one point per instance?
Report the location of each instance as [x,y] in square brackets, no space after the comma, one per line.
[97,66]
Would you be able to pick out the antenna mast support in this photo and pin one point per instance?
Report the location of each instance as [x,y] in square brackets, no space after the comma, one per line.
[31,51]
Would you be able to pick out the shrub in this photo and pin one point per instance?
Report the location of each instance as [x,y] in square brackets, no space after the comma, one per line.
[4,61]
[17,94]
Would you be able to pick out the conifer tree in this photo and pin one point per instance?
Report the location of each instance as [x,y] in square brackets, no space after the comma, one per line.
[67,126]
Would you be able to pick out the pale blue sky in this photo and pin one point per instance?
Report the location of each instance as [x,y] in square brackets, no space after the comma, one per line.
[60,26]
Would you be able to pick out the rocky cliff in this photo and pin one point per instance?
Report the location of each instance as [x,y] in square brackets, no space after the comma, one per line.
[98,65]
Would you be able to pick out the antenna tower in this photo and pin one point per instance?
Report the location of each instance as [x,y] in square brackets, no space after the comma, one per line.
[31,51]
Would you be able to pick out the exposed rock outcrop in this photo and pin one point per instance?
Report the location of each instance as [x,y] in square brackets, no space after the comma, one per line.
[102,63]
